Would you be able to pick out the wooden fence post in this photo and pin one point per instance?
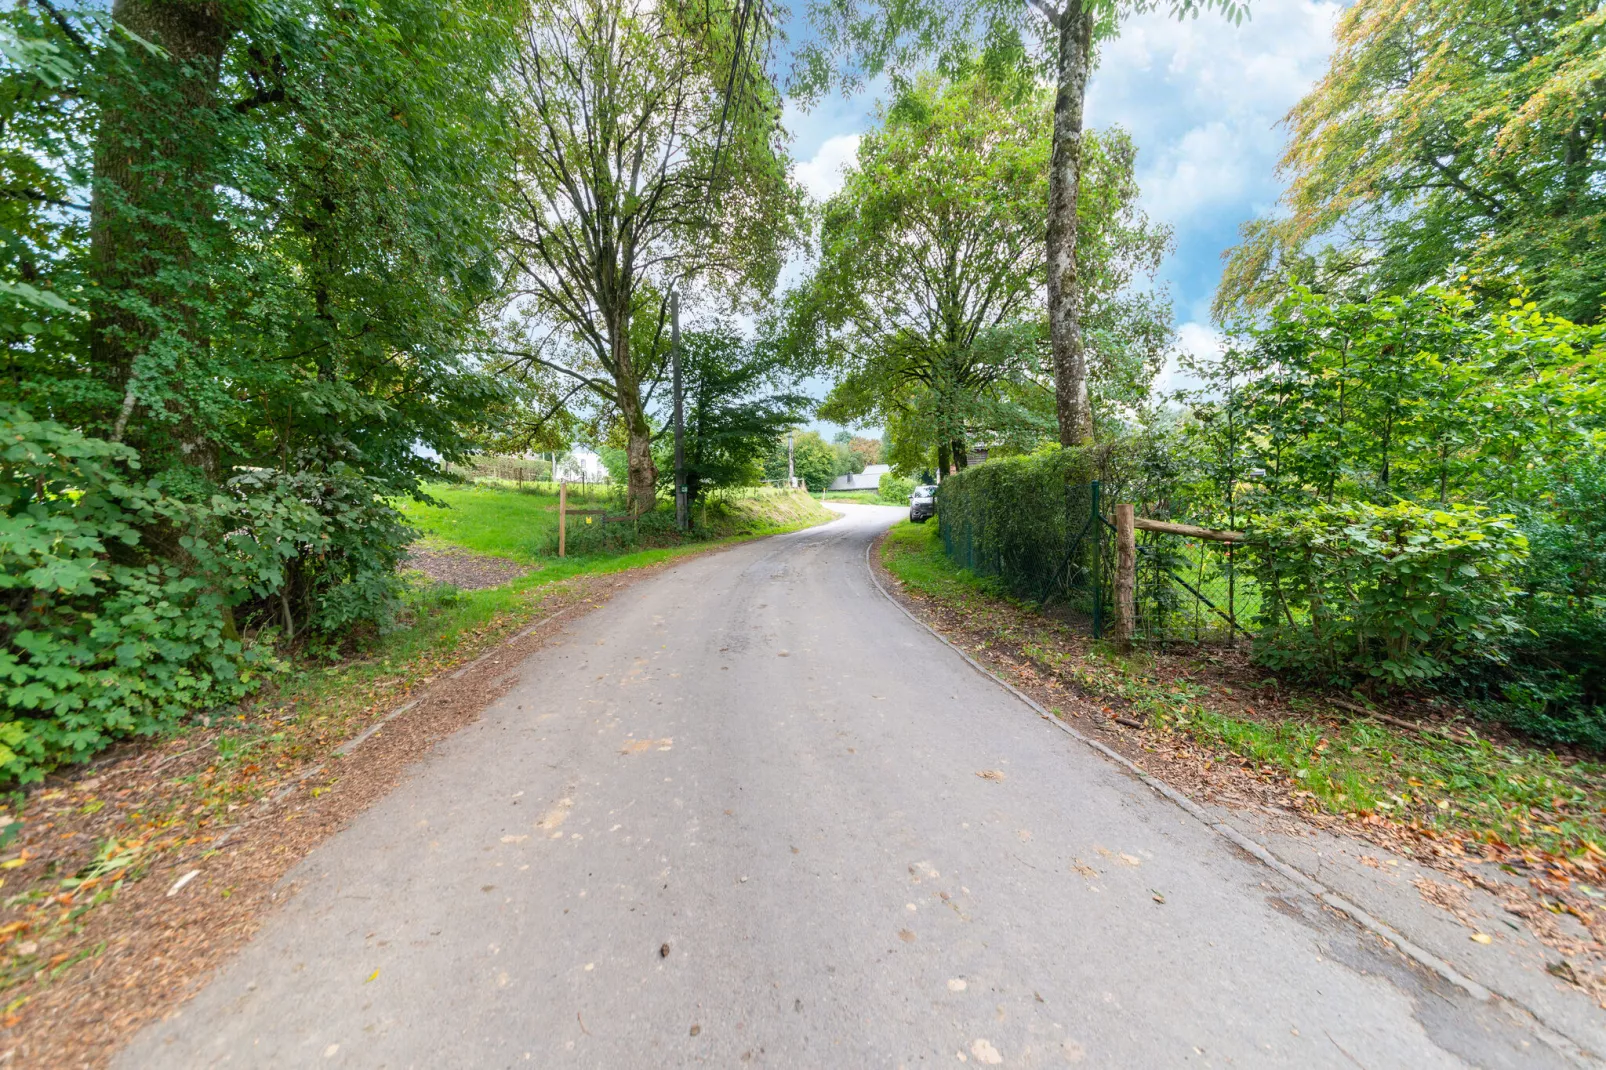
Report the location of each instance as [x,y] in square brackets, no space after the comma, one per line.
[563,509]
[1126,567]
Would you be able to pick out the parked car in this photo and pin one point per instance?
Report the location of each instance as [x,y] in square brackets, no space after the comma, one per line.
[923,504]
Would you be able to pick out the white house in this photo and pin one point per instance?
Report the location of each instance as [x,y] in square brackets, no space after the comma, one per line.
[869,479]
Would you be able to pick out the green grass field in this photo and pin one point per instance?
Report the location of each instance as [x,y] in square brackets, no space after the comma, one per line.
[521,525]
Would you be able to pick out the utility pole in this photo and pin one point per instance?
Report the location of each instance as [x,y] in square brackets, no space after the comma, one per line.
[791,476]
[682,516]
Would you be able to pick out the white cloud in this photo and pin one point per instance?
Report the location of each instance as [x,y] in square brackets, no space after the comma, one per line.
[1204,98]
[1194,338]
[822,175]
[1205,169]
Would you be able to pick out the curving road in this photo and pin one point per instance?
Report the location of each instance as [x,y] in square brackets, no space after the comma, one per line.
[734,818]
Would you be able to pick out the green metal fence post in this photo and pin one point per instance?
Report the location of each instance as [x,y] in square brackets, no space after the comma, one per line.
[1096,524]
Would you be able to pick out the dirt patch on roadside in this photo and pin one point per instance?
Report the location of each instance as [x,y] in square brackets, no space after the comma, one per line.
[82,980]
[464,570]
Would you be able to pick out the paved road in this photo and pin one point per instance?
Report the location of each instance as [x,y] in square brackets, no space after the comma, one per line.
[734,818]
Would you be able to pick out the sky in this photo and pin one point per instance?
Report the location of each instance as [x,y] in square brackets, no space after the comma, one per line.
[1203,100]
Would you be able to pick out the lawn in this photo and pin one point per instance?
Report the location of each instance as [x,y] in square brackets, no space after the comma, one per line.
[862,497]
[522,525]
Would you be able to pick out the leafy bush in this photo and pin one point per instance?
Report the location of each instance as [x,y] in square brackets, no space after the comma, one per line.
[1395,594]
[97,640]
[1555,687]
[593,535]
[895,490]
[317,549]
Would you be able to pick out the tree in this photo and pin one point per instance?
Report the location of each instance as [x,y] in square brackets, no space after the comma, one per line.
[861,38]
[868,450]
[649,159]
[736,405]
[1446,139]
[1427,396]
[244,247]
[925,296]
[813,459]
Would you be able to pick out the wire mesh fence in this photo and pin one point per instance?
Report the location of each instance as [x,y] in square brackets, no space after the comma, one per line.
[1185,589]
[1190,590]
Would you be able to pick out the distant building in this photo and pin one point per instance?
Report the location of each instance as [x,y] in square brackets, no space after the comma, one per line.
[869,479]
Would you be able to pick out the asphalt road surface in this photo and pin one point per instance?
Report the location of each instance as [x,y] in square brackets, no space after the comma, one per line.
[737,817]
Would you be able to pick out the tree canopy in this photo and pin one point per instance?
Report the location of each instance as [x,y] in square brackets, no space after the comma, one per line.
[649,160]
[926,300]
[1446,139]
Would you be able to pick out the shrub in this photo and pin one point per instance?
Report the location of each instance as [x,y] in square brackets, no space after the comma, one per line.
[1555,687]
[590,534]
[895,490]
[98,641]
[317,548]
[1395,594]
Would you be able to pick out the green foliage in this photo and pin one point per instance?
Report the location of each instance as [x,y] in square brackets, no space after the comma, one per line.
[102,640]
[241,255]
[735,406]
[1427,395]
[926,301]
[1446,136]
[1556,687]
[895,489]
[1398,594]
[317,547]
[1017,518]
[814,460]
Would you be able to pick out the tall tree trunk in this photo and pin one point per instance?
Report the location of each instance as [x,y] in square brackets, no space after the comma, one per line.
[641,491]
[1075,61]
[154,150]
[943,456]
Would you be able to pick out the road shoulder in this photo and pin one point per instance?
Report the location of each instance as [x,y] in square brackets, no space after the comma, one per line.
[1473,923]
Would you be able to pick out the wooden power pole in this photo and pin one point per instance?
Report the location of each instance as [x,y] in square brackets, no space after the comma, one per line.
[682,512]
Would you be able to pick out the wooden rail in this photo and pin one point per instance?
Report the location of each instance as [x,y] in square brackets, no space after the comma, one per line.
[1145,524]
[1127,525]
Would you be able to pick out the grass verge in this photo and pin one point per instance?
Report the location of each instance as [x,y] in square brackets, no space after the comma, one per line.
[1449,782]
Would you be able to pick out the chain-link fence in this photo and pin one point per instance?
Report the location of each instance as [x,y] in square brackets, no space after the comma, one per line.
[1190,590]
[1064,561]
[1185,589]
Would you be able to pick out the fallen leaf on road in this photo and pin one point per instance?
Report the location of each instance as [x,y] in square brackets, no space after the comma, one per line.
[1132,860]
[990,774]
[906,936]
[663,952]
[1083,868]
[555,816]
[1158,898]
[514,839]
[957,985]
[372,976]
[985,1053]
[1482,938]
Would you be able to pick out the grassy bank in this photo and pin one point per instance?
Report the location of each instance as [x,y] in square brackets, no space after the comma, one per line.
[521,525]
[1451,779]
